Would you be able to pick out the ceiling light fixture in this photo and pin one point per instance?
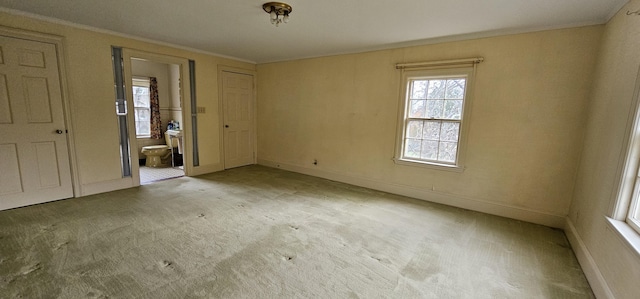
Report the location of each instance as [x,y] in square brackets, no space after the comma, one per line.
[278,12]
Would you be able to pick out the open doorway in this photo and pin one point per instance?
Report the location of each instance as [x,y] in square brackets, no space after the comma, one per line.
[156,125]
[157,108]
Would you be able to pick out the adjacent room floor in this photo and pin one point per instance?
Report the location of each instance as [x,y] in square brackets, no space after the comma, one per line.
[257,232]
[149,175]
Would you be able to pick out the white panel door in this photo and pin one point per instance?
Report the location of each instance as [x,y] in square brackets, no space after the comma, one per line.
[34,159]
[237,102]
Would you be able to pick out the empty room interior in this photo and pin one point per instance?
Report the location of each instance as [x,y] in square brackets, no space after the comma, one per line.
[319,149]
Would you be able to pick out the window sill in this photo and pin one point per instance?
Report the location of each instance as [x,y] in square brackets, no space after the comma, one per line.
[143,137]
[629,236]
[445,167]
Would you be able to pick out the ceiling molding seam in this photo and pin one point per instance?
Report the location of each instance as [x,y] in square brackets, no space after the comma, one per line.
[110,32]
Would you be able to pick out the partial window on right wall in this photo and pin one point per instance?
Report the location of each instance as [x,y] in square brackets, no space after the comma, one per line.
[633,217]
[626,206]
[434,107]
[631,177]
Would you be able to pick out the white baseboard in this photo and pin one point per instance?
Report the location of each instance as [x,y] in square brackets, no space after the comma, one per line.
[106,186]
[598,285]
[498,209]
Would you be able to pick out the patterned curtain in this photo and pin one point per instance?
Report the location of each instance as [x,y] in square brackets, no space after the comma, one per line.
[154,103]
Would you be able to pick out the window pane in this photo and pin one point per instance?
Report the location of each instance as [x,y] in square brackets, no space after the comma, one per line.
[143,128]
[447,151]
[417,109]
[434,108]
[436,89]
[419,89]
[143,114]
[635,213]
[414,129]
[143,121]
[431,130]
[634,208]
[429,150]
[455,89]
[140,96]
[453,109]
[449,131]
[412,148]
[634,222]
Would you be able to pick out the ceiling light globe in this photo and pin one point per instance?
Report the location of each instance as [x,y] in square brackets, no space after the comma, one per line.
[278,12]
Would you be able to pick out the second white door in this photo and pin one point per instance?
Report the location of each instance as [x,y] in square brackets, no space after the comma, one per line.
[238,109]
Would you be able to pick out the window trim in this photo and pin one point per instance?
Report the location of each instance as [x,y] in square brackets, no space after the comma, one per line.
[467,71]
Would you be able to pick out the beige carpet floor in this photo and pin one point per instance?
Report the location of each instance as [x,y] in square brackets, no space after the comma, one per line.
[257,232]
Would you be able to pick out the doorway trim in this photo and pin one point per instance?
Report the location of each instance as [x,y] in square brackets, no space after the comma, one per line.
[58,42]
[185,94]
[230,69]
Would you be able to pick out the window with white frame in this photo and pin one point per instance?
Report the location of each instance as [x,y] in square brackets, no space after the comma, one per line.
[627,205]
[633,208]
[434,105]
[142,108]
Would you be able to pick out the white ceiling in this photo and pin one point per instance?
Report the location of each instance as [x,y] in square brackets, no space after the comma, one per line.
[241,29]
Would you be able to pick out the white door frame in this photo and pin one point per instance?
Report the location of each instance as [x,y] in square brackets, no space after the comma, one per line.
[185,93]
[57,41]
[221,70]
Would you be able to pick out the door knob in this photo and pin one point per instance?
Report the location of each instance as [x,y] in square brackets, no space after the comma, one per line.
[59,131]
[226,126]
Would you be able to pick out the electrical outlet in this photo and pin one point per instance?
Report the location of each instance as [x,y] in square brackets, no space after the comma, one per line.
[201,110]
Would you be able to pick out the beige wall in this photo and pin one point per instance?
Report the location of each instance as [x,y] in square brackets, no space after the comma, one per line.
[142,68]
[526,124]
[91,94]
[611,101]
